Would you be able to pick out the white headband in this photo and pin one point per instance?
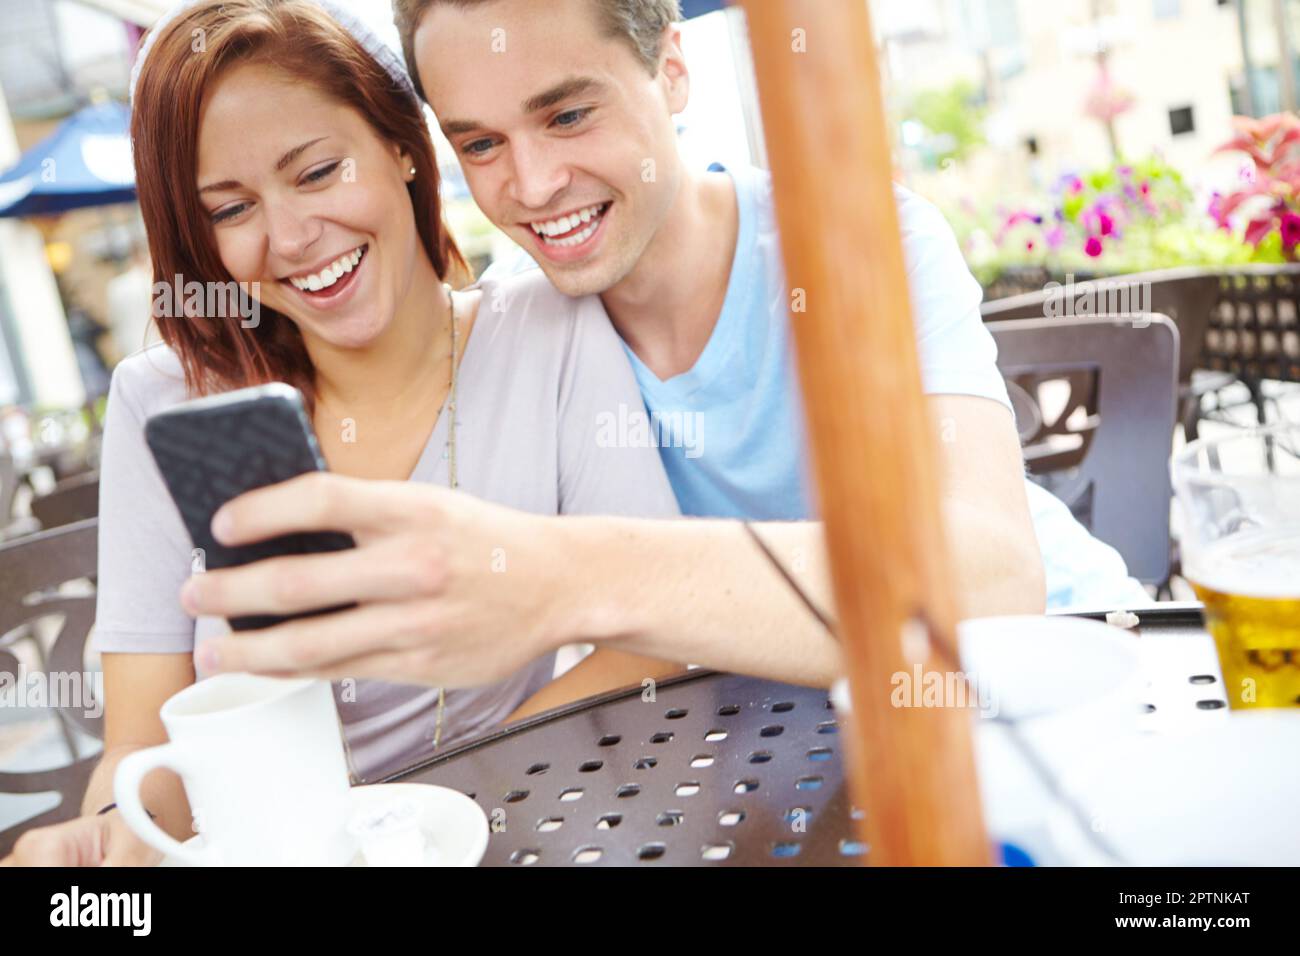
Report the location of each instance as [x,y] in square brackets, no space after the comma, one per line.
[380,51]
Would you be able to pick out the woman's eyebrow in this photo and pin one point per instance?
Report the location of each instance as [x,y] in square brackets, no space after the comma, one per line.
[294,153]
[282,162]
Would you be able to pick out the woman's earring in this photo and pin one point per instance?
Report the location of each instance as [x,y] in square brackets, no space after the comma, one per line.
[412,170]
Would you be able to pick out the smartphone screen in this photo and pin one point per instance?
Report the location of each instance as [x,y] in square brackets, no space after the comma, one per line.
[213,449]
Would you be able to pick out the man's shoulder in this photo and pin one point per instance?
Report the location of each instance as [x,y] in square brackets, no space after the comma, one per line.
[914,211]
[918,216]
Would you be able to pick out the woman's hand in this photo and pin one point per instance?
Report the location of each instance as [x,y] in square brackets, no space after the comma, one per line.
[452,591]
[100,840]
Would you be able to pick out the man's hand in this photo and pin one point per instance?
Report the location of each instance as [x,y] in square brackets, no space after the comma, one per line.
[457,592]
[452,591]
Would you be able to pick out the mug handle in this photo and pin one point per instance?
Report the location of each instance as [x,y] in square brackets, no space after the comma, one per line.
[131,771]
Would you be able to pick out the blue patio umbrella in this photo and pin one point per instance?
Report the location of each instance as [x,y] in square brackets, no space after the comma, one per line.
[85,162]
[697,8]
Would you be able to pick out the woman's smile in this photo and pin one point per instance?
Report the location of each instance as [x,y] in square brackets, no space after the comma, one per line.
[332,284]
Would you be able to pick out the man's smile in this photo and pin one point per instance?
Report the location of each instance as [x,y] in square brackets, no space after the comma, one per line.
[573,228]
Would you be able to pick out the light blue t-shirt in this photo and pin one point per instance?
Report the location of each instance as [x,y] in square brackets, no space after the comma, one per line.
[740,401]
[730,429]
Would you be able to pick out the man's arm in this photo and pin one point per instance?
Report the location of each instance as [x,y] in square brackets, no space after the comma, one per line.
[996,560]
[715,599]
[432,608]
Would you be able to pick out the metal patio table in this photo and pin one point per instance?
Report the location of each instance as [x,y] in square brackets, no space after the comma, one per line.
[721,769]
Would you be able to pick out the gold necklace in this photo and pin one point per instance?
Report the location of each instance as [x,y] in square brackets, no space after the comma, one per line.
[452,481]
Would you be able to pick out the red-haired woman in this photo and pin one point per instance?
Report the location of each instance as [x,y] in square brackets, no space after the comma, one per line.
[279,145]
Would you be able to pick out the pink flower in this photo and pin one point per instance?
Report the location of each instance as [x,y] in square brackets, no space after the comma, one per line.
[1290,230]
[1106,100]
[1107,224]
[1093,247]
[1217,213]
[1257,229]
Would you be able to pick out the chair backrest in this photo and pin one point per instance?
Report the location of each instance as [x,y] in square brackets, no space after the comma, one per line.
[1187,296]
[1106,395]
[9,481]
[32,569]
[71,500]
[1254,329]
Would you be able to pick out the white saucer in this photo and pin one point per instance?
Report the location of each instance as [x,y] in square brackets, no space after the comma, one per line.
[455,827]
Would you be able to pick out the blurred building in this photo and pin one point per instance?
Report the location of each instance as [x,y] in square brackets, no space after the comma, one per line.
[1270,31]
[1174,72]
[55,57]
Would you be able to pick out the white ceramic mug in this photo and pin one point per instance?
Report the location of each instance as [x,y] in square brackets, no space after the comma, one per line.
[263,766]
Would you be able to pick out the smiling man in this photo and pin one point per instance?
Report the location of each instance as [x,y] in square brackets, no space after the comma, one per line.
[575,157]
[568,143]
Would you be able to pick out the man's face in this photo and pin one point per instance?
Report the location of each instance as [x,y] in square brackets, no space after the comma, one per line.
[566,139]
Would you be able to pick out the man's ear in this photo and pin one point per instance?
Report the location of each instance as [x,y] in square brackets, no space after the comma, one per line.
[672,70]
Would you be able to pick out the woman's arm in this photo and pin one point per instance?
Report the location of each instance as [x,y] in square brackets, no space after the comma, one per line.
[602,670]
[135,688]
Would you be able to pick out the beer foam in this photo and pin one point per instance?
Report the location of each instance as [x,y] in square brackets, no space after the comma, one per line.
[1264,564]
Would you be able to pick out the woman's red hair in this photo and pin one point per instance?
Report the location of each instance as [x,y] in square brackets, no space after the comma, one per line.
[298,37]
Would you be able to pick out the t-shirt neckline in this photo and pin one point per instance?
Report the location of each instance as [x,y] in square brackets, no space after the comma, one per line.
[735,305]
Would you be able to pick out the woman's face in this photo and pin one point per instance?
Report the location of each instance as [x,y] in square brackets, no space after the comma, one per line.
[307,201]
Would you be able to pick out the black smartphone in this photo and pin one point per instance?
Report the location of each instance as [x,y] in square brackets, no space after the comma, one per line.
[213,449]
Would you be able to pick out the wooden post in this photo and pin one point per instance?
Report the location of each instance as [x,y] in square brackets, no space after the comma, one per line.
[873,440]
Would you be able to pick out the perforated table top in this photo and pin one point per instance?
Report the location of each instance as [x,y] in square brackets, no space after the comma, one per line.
[717,769]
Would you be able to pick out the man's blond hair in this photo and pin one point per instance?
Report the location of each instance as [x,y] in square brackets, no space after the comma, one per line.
[641,23]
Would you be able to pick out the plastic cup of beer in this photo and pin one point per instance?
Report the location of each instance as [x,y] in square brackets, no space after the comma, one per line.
[1240,500]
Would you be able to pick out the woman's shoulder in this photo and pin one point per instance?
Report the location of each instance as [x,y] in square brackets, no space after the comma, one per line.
[149,380]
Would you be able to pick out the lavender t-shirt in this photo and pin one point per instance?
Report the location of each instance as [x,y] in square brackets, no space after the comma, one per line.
[541,380]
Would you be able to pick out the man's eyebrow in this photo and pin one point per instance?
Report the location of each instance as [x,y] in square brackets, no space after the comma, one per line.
[456,127]
[574,86]
[282,162]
